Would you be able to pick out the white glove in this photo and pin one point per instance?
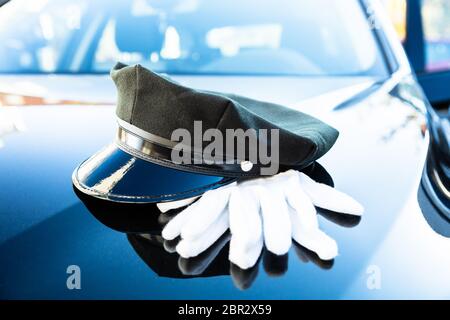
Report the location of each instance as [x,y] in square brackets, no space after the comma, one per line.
[269,211]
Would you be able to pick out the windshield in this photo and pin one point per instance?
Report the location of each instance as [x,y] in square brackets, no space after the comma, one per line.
[249,37]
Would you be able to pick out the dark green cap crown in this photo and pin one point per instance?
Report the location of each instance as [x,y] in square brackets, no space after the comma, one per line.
[159,106]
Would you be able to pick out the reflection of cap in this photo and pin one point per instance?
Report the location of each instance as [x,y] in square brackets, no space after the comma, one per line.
[138,166]
[151,250]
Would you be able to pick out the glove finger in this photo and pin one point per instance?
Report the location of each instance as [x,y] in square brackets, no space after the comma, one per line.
[313,239]
[192,248]
[247,257]
[198,212]
[326,197]
[210,206]
[305,225]
[196,266]
[276,221]
[300,202]
[173,227]
[245,220]
[167,206]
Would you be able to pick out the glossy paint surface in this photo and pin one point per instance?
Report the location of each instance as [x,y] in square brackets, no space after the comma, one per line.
[378,159]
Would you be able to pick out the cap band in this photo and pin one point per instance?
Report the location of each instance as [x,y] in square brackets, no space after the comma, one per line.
[160,152]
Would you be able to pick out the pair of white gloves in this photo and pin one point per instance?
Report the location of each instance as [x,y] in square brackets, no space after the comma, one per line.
[268,211]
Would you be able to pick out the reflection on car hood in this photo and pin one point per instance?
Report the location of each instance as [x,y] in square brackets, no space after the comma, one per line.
[85,89]
[378,159]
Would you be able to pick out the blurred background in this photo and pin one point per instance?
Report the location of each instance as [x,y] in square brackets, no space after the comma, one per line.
[423,26]
[88,37]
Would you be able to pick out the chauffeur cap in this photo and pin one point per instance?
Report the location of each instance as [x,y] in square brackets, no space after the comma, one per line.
[139,166]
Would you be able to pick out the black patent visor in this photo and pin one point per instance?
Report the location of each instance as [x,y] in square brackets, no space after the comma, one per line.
[116,175]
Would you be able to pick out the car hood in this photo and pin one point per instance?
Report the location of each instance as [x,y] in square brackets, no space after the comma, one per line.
[378,159]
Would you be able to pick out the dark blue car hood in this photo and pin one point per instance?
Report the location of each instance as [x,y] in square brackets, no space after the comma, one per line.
[45,227]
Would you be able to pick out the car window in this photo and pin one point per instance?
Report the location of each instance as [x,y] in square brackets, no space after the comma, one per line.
[436,20]
[281,37]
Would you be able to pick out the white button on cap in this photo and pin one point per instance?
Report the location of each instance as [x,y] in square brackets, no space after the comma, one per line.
[246,166]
